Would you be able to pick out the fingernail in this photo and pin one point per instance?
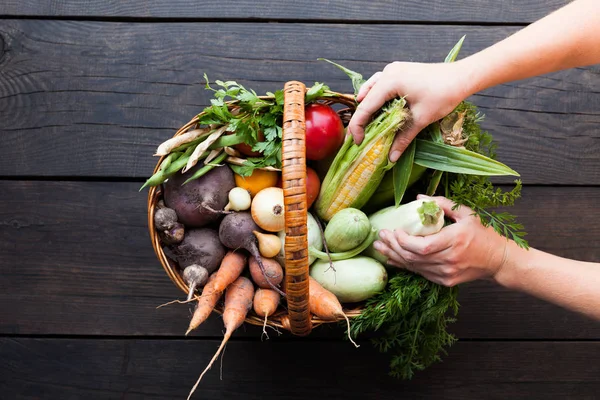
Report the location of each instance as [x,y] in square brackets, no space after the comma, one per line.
[394,156]
[382,234]
[377,245]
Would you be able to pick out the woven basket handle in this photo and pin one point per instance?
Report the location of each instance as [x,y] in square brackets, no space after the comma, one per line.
[294,193]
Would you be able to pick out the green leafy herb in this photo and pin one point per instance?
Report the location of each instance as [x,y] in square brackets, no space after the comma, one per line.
[401,172]
[478,192]
[411,317]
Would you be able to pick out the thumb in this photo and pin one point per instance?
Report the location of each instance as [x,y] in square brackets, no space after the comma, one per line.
[403,139]
[461,212]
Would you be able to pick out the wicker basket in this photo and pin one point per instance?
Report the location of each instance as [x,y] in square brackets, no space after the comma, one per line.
[295,317]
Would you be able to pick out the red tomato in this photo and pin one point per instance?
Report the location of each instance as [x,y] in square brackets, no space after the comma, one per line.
[324,131]
[313,186]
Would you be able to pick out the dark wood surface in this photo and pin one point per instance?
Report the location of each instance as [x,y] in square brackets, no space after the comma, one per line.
[89,89]
[166,369]
[509,11]
[84,254]
[106,94]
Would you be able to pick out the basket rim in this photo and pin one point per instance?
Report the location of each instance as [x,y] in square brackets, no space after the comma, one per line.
[277,319]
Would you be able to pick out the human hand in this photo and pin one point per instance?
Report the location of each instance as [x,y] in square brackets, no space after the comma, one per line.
[432,91]
[460,252]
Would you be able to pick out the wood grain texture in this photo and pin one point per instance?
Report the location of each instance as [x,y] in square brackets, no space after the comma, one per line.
[159,369]
[76,259]
[509,11]
[95,99]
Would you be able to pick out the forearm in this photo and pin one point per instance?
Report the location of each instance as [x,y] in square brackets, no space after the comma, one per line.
[574,285]
[567,38]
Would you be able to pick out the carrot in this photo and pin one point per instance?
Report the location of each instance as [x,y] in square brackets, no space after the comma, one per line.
[238,301]
[231,267]
[265,304]
[325,305]
[206,303]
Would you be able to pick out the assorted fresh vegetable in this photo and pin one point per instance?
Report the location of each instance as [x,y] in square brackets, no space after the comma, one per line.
[418,218]
[324,131]
[223,215]
[352,280]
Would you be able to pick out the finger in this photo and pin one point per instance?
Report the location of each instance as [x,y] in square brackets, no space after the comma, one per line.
[372,102]
[456,214]
[364,89]
[404,137]
[429,275]
[420,245]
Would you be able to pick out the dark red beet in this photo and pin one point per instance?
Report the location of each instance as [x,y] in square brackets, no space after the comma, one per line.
[201,201]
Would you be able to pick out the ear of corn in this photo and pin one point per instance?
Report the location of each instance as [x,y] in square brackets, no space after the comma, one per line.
[357,170]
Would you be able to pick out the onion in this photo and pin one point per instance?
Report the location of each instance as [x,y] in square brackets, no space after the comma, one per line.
[267,209]
[239,199]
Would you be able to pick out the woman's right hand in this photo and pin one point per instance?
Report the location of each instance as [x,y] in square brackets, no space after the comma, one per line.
[432,91]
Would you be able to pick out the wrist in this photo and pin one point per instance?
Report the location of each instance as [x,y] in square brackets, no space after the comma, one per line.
[470,77]
[508,275]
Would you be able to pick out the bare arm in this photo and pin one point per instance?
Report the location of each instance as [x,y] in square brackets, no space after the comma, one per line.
[567,38]
[466,251]
[574,285]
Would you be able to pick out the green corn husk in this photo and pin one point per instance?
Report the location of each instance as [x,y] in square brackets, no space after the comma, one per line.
[384,195]
[343,176]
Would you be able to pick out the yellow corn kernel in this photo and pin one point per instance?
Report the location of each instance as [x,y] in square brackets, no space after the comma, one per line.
[357,177]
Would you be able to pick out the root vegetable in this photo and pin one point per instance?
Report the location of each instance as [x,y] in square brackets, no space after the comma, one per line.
[268,245]
[231,268]
[173,235]
[238,301]
[273,272]
[194,276]
[268,209]
[200,246]
[206,303]
[201,201]
[165,219]
[325,305]
[265,304]
[236,232]
[239,200]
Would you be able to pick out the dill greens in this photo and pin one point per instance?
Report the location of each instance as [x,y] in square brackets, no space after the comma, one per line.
[478,192]
[411,316]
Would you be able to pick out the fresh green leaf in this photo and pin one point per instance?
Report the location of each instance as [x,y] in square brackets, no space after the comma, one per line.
[314,92]
[357,79]
[451,57]
[401,172]
[436,177]
[458,160]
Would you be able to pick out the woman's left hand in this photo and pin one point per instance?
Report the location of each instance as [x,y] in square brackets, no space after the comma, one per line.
[460,252]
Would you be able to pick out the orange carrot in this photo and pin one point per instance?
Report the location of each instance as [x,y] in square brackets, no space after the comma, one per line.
[238,301]
[206,303]
[265,304]
[325,305]
[230,269]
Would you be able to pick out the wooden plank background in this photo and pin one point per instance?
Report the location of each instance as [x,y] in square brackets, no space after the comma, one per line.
[89,89]
[430,12]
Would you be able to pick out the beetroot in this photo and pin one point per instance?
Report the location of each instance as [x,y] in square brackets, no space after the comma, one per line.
[236,231]
[201,201]
[200,250]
